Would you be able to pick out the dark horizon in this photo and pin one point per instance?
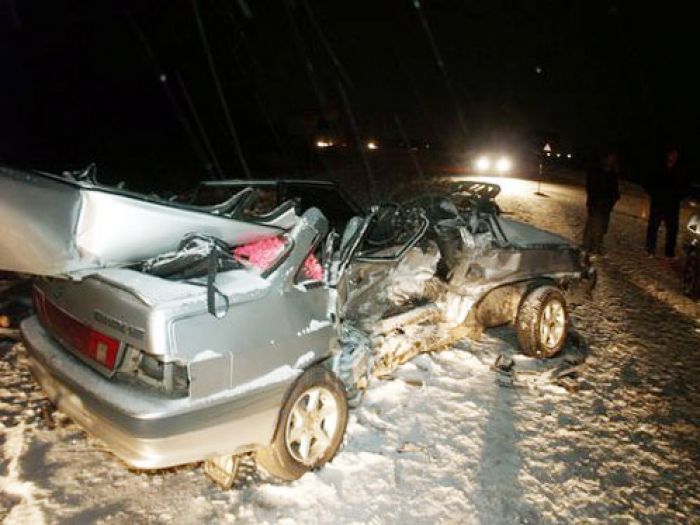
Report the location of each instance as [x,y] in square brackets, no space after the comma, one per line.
[109,82]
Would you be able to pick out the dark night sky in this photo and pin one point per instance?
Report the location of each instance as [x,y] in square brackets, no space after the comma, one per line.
[78,83]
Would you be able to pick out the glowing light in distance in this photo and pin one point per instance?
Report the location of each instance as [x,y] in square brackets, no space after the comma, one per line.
[324,144]
[372,145]
[504,165]
[569,155]
[483,163]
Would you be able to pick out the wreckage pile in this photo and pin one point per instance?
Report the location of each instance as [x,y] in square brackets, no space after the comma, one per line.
[434,298]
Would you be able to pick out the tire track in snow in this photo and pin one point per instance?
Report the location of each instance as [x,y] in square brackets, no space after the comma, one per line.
[27,510]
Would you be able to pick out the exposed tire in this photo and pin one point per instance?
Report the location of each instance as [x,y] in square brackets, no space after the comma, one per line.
[310,427]
[691,273]
[542,322]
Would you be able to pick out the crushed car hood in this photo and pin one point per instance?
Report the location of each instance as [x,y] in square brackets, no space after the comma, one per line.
[53,226]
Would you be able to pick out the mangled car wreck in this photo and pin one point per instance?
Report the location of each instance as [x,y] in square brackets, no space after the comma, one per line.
[247,317]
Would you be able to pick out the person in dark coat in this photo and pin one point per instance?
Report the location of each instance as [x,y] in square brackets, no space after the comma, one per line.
[667,189]
[602,192]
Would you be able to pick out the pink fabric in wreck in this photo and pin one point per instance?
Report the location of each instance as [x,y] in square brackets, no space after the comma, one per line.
[312,268]
[260,254]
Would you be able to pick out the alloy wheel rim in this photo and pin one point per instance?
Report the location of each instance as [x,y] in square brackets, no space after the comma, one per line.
[312,425]
[552,324]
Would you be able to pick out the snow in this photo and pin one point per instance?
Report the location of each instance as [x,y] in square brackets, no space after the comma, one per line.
[314,326]
[26,511]
[305,360]
[149,288]
[205,356]
[442,440]
[239,284]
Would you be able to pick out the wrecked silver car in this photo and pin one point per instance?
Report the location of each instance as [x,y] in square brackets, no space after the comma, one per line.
[247,317]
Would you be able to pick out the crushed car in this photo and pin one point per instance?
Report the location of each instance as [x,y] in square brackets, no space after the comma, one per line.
[248,316]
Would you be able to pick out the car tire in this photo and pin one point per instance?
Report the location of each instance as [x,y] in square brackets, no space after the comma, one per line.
[691,273]
[542,322]
[310,427]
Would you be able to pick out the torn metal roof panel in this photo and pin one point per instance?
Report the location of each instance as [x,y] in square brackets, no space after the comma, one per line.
[58,227]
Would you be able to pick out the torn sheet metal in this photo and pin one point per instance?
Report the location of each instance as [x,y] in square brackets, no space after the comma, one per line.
[54,226]
[372,290]
[400,338]
[469,274]
[408,280]
[353,362]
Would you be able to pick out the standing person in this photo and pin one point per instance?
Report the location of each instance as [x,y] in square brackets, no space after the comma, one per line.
[602,192]
[667,188]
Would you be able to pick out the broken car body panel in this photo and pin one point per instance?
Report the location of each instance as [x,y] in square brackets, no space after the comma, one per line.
[146,430]
[239,367]
[59,227]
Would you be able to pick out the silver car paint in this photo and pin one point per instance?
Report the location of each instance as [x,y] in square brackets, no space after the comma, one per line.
[52,226]
[270,331]
[148,431]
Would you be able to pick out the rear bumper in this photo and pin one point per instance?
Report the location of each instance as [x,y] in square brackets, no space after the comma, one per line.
[145,430]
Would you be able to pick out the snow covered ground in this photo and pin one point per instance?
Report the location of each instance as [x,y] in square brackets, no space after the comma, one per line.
[444,441]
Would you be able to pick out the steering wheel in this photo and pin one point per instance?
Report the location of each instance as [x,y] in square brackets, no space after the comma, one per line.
[387,225]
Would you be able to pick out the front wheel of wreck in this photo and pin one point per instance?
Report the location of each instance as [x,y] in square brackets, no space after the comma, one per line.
[310,427]
[542,322]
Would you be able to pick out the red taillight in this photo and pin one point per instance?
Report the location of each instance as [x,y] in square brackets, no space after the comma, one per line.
[39,301]
[73,333]
[103,349]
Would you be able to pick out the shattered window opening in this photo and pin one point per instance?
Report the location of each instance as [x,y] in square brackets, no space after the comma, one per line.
[263,255]
[311,270]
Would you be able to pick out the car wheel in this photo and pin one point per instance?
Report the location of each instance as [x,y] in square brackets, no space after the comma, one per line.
[310,427]
[691,273]
[542,322]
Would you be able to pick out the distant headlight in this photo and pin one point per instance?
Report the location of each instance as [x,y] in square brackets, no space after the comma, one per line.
[504,165]
[483,164]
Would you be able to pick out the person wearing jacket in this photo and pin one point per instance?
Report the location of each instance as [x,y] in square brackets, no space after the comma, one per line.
[602,192]
[666,191]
